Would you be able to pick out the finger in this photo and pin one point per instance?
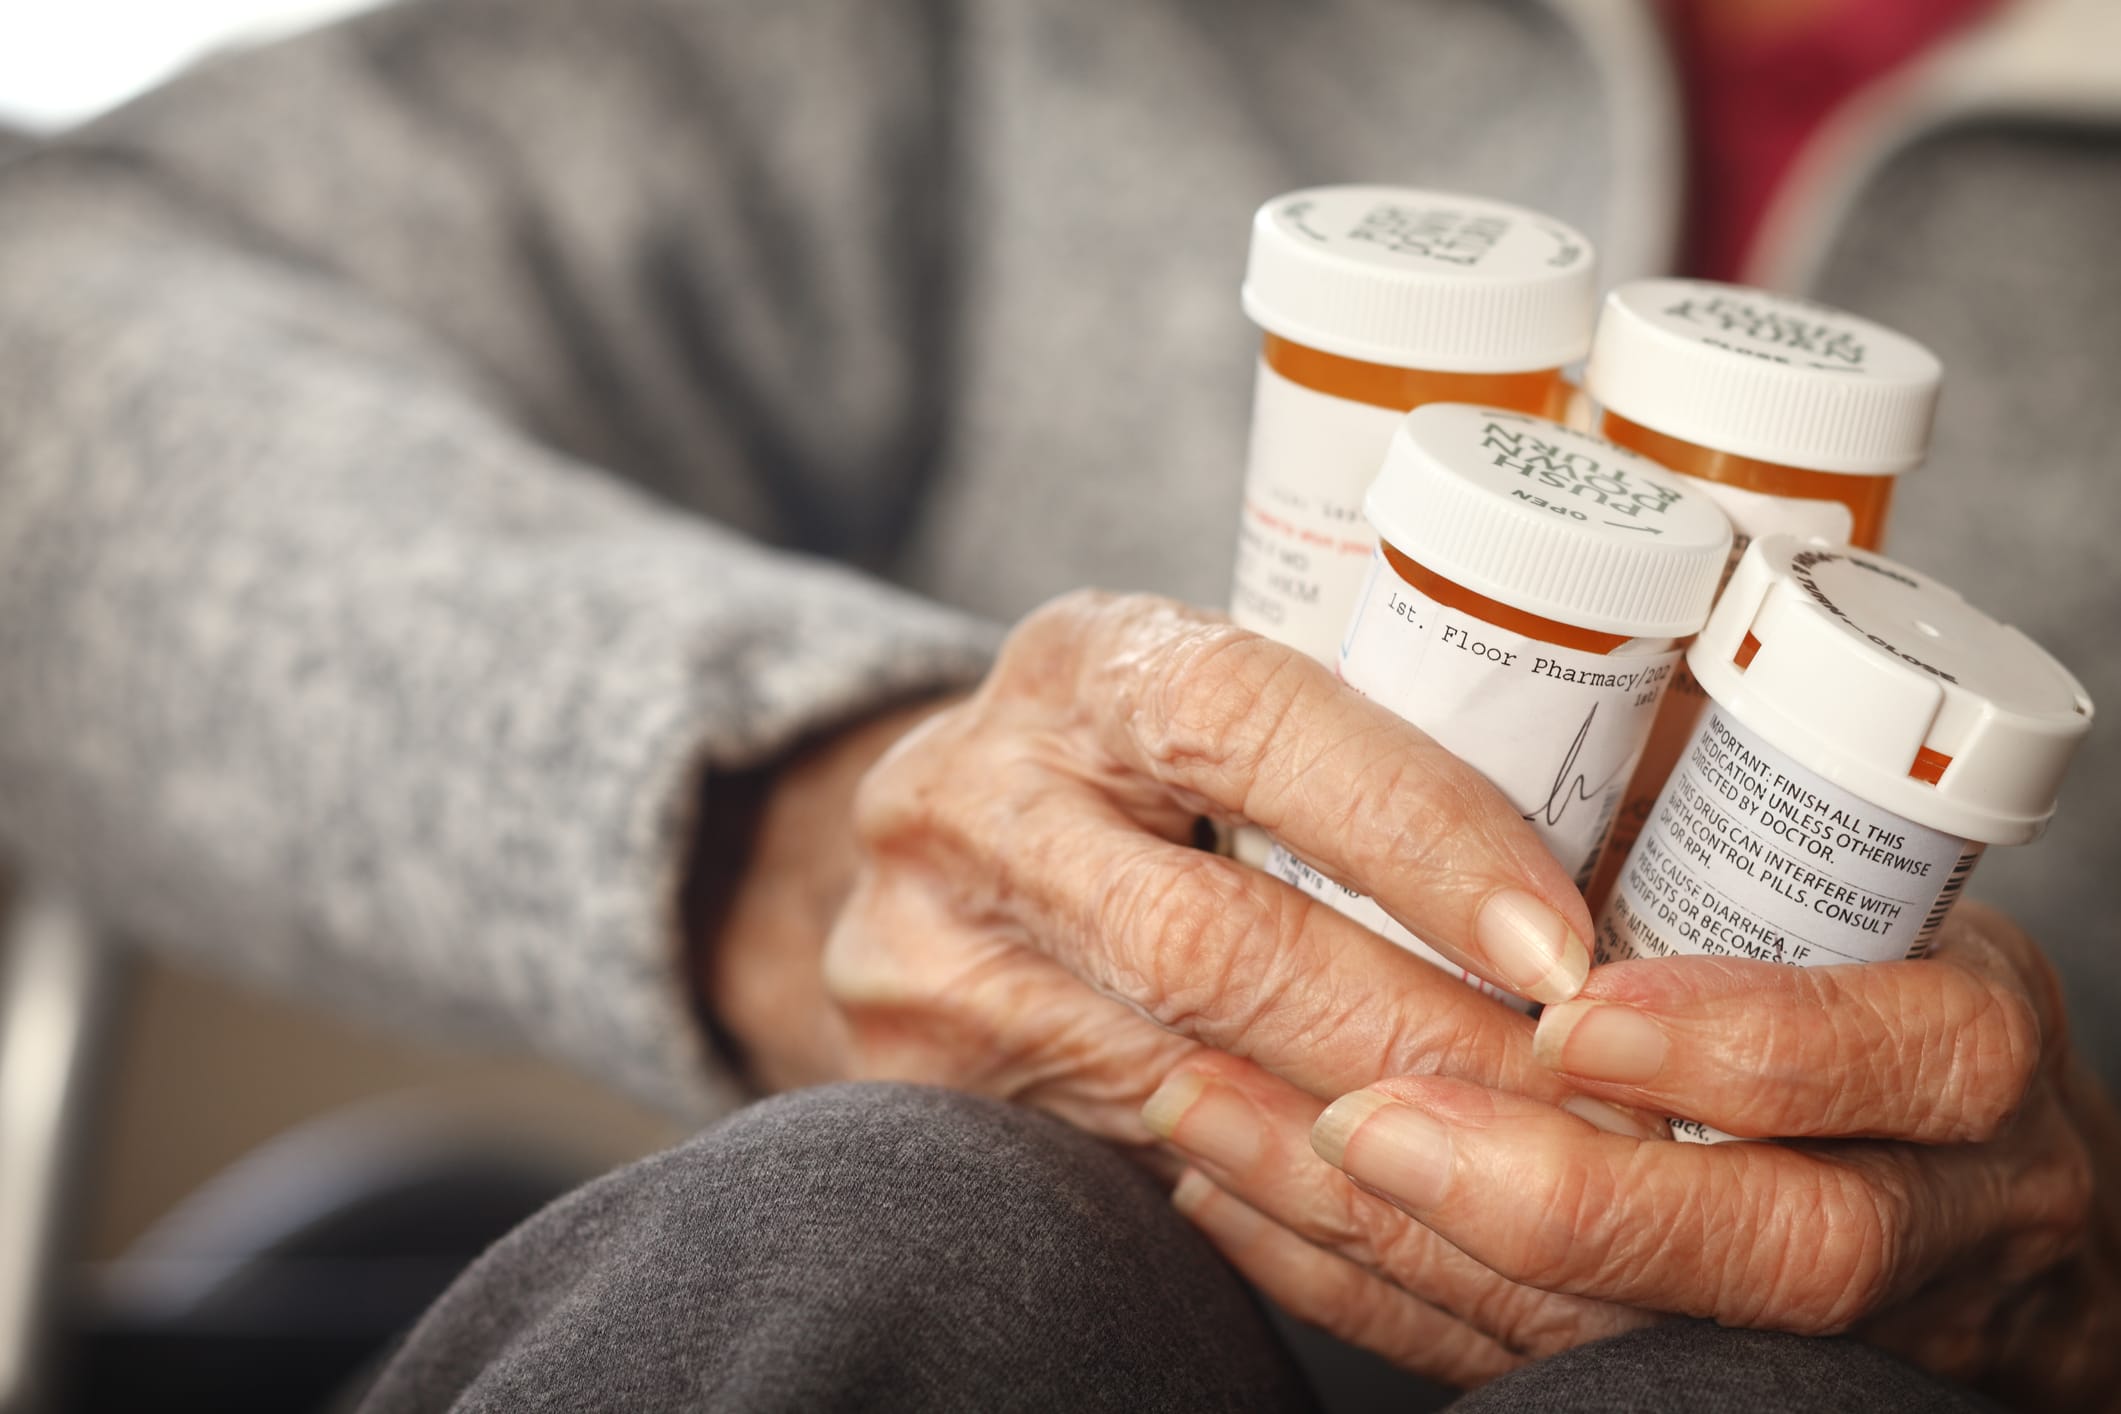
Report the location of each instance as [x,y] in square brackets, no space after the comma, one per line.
[1250,1133]
[1205,948]
[1939,1051]
[922,996]
[1336,1295]
[1241,962]
[1750,1234]
[1248,728]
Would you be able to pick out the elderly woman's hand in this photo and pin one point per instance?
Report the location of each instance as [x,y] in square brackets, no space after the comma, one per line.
[1950,1193]
[1027,915]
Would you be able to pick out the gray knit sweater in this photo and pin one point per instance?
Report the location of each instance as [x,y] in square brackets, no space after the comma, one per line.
[433,450]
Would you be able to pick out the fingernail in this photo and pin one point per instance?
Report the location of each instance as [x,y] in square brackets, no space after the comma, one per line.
[1600,1041]
[1191,1191]
[1531,950]
[1219,1127]
[1228,1221]
[1401,1152]
[1615,1120]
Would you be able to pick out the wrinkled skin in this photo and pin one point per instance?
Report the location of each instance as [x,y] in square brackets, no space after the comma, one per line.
[1017,909]
[1952,1201]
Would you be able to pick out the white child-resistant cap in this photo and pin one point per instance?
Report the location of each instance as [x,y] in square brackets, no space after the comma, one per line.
[1422,279]
[1764,376]
[1852,664]
[1552,521]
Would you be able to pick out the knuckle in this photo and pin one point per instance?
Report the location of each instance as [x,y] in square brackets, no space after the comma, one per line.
[2054,1203]
[1570,1232]
[1372,1233]
[1379,1235]
[1063,617]
[888,802]
[1178,927]
[2045,994]
[1954,1066]
[1217,697]
[1041,656]
[1539,1252]
[1946,1057]
[1950,1059]
[1470,1042]
[903,794]
[1984,930]
[2076,1188]
[1838,1256]
[1874,1234]
[1998,1058]
[1376,1236]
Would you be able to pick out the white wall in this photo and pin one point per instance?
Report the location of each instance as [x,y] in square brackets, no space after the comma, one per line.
[65,60]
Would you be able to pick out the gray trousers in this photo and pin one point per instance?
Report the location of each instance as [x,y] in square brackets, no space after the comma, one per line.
[896,1247]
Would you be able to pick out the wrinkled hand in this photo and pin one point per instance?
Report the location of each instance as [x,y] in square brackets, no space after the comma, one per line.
[1947,1202]
[1025,916]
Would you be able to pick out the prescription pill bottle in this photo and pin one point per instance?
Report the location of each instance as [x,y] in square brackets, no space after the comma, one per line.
[1795,416]
[1524,607]
[1868,733]
[1375,300]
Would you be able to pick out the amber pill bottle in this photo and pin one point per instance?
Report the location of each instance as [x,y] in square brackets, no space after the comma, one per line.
[1797,418]
[1373,301]
[1868,734]
[1525,607]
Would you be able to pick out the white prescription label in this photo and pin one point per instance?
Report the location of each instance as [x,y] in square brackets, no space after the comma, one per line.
[1557,730]
[1748,854]
[1303,544]
[1752,514]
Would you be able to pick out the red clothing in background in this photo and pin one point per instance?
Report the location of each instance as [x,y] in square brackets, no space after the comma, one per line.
[1759,77]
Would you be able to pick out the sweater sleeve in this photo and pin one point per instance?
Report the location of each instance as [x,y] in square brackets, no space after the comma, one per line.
[348,632]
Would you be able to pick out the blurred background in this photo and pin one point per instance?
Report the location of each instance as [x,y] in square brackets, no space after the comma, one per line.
[65,60]
[220,1108]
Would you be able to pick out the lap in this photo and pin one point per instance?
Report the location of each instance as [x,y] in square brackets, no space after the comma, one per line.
[853,1246]
[894,1246]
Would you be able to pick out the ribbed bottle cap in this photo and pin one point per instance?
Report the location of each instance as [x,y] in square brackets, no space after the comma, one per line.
[1421,279]
[1764,376]
[1554,522]
[1854,664]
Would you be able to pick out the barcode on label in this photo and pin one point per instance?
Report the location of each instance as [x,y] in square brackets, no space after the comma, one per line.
[1954,885]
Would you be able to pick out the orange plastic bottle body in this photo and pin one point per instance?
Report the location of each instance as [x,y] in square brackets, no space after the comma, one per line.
[1453,595]
[1320,426]
[1866,499]
[1538,391]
